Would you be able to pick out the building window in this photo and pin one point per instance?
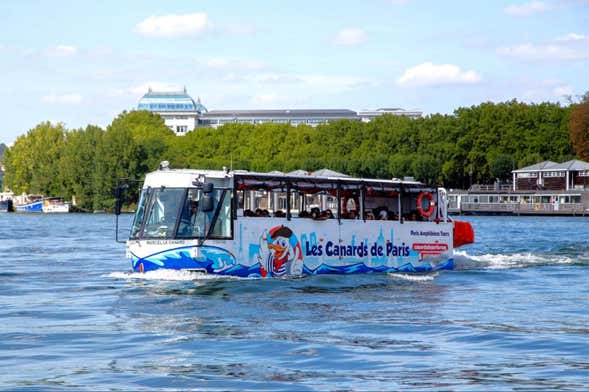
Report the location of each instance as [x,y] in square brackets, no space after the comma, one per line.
[553,174]
[527,175]
[181,128]
[584,173]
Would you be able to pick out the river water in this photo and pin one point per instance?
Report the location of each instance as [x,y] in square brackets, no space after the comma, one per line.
[513,316]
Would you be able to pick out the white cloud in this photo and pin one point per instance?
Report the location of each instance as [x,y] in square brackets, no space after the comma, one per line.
[62,51]
[138,91]
[572,37]
[527,9]
[561,91]
[545,90]
[62,99]
[332,82]
[225,63]
[351,37]
[543,52]
[264,99]
[169,26]
[429,74]
[240,29]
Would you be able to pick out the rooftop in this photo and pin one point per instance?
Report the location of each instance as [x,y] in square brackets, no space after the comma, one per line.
[170,101]
[574,165]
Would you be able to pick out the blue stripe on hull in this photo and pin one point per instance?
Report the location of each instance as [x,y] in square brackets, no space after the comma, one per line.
[32,207]
[218,261]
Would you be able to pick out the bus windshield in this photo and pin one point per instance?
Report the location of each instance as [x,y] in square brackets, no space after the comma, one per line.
[177,213]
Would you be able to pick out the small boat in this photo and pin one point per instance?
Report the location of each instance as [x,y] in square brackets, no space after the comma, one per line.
[55,205]
[29,203]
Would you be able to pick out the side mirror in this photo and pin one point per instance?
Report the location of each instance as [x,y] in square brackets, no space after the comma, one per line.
[118,202]
[207,187]
[207,203]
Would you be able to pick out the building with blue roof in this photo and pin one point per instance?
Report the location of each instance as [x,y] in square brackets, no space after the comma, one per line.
[182,114]
[179,111]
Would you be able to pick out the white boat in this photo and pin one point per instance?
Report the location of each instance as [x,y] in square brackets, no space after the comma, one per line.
[272,224]
[55,205]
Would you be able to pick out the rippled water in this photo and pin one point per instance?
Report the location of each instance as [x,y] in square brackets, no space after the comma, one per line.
[513,316]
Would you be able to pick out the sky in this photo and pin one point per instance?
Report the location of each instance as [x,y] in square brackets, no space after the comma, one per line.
[81,63]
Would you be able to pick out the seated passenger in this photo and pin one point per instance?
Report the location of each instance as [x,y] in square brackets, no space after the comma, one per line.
[316,214]
[351,214]
[328,214]
[383,214]
[304,214]
[369,215]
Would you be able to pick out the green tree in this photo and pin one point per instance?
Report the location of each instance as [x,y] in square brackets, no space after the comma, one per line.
[152,137]
[427,169]
[79,165]
[501,166]
[32,163]
[117,157]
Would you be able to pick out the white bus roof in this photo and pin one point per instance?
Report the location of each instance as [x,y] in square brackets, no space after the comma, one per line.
[184,178]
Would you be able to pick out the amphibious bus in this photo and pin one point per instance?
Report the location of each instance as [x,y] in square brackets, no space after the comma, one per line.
[248,224]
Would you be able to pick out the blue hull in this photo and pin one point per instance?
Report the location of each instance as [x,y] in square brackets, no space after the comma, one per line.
[31,207]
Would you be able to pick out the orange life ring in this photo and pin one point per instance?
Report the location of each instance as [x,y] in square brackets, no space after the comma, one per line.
[432,206]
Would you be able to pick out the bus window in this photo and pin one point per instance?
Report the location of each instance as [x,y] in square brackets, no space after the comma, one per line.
[192,219]
[162,212]
[222,226]
[140,213]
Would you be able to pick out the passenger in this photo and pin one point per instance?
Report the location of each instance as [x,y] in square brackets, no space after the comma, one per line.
[351,214]
[279,214]
[383,214]
[316,214]
[193,207]
[329,214]
[265,213]
[304,214]
[369,215]
[249,213]
[412,216]
[258,212]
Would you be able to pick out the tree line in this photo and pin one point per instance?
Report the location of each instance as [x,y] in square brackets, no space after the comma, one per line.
[473,145]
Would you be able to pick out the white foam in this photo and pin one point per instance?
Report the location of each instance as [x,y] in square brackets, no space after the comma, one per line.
[167,274]
[463,260]
[414,277]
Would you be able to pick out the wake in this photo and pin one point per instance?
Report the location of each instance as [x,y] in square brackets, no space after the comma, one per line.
[169,275]
[464,261]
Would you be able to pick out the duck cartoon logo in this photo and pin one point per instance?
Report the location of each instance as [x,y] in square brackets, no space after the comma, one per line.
[280,253]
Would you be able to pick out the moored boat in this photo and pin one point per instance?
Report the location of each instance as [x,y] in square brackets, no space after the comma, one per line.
[6,203]
[273,224]
[55,205]
[28,203]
